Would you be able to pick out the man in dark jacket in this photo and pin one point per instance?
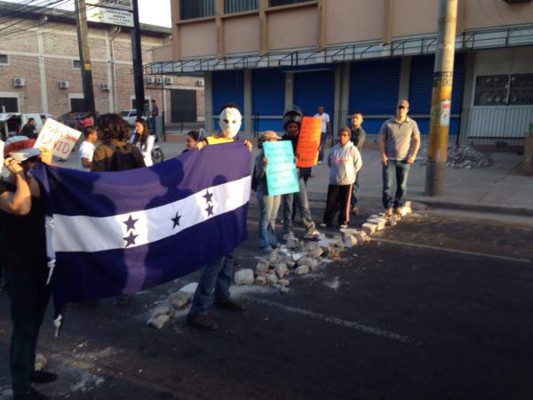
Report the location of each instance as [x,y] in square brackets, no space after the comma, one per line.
[29,130]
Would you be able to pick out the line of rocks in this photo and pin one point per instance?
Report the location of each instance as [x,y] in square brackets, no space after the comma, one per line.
[172,307]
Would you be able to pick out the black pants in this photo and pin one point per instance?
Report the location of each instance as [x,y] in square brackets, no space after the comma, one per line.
[339,198]
[28,295]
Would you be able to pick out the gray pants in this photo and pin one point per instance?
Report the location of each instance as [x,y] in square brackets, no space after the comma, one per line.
[302,204]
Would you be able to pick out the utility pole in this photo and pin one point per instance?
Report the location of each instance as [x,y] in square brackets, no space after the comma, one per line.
[85,56]
[441,101]
[137,60]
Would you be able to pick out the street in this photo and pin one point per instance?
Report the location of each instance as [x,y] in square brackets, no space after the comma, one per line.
[438,307]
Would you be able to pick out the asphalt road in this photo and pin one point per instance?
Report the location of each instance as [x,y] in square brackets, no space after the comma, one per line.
[438,307]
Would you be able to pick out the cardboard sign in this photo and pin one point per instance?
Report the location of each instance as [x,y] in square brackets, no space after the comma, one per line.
[309,142]
[58,138]
[281,174]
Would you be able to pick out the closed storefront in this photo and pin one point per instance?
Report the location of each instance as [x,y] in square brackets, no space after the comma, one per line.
[268,99]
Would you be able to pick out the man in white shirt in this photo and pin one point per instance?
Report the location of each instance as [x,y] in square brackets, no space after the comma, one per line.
[87,148]
[326,131]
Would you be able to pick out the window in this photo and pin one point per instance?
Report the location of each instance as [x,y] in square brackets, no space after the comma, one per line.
[499,90]
[4,59]
[196,9]
[76,64]
[235,6]
[274,3]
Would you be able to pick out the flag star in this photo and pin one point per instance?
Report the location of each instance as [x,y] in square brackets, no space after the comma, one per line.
[209,210]
[130,240]
[208,197]
[176,220]
[130,223]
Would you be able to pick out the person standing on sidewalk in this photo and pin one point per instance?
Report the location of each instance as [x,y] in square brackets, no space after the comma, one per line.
[325,132]
[292,120]
[153,114]
[344,162]
[88,147]
[358,136]
[399,142]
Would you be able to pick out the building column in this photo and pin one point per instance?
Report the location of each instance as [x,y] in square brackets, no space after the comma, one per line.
[42,73]
[248,122]
[289,89]
[405,78]
[345,111]
[208,102]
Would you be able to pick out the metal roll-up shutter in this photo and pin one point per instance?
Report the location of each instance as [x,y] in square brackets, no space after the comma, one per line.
[228,87]
[268,99]
[315,88]
[421,88]
[374,86]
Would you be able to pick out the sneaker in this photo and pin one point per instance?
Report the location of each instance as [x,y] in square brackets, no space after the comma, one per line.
[43,377]
[229,305]
[202,322]
[388,213]
[289,236]
[398,211]
[31,395]
[355,210]
[314,234]
[343,226]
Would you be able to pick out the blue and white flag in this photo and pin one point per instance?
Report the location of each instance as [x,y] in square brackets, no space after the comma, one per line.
[121,232]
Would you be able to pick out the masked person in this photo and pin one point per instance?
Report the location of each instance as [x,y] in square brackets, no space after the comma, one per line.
[25,265]
[292,121]
[215,281]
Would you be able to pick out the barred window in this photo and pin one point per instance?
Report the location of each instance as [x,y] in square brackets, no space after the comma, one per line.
[491,90]
[274,3]
[235,6]
[499,90]
[521,89]
[76,64]
[4,59]
[196,9]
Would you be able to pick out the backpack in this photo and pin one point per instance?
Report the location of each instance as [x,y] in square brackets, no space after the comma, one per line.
[123,157]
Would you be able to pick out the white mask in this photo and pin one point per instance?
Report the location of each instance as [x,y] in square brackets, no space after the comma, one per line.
[230,120]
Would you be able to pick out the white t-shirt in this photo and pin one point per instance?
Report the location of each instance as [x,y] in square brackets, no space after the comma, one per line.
[86,151]
[325,120]
[147,153]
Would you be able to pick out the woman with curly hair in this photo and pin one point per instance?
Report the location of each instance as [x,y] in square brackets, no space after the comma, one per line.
[144,140]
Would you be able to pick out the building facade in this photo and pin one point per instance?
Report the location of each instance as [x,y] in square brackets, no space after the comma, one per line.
[40,67]
[356,55]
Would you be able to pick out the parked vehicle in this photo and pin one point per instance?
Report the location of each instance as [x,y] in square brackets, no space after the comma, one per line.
[12,123]
[130,116]
[73,119]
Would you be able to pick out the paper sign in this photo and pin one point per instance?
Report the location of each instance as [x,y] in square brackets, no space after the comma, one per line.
[281,174]
[58,138]
[445,109]
[309,142]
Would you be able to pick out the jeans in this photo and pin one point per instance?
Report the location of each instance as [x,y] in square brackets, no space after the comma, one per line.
[215,280]
[398,171]
[302,203]
[355,191]
[28,296]
[323,138]
[268,211]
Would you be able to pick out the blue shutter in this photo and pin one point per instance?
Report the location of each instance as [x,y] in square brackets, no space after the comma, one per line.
[228,87]
[268,99]
[315,88]
[374,86]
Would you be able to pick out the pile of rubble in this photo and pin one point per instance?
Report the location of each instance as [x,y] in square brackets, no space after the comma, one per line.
[466,157]
[295,258]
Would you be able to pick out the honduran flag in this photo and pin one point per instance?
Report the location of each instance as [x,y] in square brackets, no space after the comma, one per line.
[118,233]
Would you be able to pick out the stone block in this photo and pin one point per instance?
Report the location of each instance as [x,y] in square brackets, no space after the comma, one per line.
[273,279]
[244,277]
[40,362]
[158,322]
[302,270]
[292,243]
[261,280]
[369,229]
[284,282]
[350,241]
[284,289]
[281,270]
[262,267]
[162,309]
[392,221]
[178,301]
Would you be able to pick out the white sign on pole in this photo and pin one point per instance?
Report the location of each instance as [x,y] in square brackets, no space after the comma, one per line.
[117,4]
[110,16]
[58,138]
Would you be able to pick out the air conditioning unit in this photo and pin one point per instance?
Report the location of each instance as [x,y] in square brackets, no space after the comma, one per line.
[105,87]
[19,82]
[200,83]
[149,79]
[63,85]
[158,80]
[168,80]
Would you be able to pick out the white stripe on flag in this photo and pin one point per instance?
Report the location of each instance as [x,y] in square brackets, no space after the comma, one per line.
[90,234]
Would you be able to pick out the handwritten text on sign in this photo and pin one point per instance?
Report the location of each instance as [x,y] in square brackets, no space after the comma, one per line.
[281,174]
[59,138]
[309,142]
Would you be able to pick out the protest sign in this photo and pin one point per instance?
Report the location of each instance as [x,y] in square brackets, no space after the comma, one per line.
[58,138]
[281,174]
[309,142]
[1,155]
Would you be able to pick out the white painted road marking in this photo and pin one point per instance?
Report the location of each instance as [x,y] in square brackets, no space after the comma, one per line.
[465,252]
[337,321]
